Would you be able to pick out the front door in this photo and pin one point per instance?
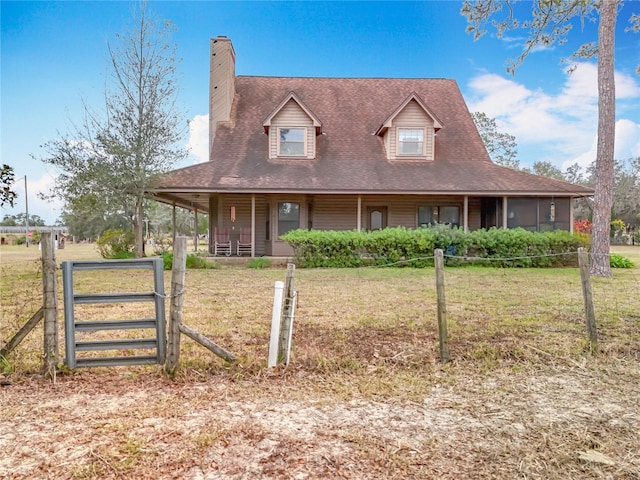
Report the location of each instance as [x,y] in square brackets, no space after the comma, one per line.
[376,218]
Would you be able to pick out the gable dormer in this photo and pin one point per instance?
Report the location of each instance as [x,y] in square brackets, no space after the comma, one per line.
[409,132]
[292,128]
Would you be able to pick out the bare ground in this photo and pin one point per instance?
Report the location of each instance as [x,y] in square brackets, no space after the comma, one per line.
[562,421]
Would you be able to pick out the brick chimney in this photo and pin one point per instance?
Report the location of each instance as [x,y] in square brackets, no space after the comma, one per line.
[222,86]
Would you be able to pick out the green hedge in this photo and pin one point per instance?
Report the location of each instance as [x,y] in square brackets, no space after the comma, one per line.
[327,248]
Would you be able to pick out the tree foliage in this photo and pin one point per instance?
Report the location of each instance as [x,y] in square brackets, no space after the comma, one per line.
[86,219]
[111,158]
[501,146]
[19,220]
[550,23]
[7,178]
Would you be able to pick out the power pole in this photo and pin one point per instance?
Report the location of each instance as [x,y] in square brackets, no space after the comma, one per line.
[26,207]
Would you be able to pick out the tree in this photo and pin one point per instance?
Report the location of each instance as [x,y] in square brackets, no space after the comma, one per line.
[19,220]
[115,155]
[7,178]
[500,146]
[551,22]
[626,190]
[86,220]
[547,169]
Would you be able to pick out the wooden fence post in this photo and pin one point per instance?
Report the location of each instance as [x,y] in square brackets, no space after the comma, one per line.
[287,313]
[587,294]
[442,307]
[177,301]
[50,303]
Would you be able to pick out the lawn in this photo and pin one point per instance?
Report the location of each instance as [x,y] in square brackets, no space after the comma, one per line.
[365,396]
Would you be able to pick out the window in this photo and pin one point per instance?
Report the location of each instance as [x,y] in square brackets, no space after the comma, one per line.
[410,141]
[288,217]
[292,142]
[430,215]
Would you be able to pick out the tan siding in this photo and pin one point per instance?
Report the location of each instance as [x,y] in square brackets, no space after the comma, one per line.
[291,115]
[412,115]
[335,212]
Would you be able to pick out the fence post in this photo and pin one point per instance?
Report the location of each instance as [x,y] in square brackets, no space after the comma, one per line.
[442,307]
[50,303]
[287,313]
[177,301]
[587,294]
[276,316]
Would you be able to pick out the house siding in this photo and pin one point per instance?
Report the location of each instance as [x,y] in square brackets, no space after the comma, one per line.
[292,115]
[334,212]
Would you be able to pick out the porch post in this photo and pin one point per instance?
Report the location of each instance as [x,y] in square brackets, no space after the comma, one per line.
[195,234]
[504,212]
[173,223]
[571,201]
[253,225]
[359,220]
[465,213]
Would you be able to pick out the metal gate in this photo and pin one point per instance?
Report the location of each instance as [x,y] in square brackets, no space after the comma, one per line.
[71,326]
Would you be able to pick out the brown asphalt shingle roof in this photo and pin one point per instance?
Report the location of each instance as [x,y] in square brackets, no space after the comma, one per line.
[349,157]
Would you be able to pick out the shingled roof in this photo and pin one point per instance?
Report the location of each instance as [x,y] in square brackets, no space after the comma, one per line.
[350,158]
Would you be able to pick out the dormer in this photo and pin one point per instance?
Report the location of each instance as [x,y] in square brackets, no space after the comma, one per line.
[292,128]
[409,132]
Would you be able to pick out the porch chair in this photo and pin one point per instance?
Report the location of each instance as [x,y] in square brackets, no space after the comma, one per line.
[244,242]
[221,242]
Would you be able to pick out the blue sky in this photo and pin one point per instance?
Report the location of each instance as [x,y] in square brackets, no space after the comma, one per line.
[54,55]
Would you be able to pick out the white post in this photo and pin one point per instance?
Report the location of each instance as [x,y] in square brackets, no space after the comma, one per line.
[505,217]
[465,214]
[359,220]
[292,314]
[253,225]
[275,324]
[571,201]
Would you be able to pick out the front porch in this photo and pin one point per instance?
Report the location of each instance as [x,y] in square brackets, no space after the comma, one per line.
[266,217]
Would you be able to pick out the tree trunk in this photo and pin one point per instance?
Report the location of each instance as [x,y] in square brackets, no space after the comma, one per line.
[137,230]
[603,199]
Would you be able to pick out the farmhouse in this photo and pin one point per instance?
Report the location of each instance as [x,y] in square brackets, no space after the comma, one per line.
[349,153]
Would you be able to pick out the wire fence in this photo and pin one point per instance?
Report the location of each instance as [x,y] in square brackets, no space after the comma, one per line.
[348,318]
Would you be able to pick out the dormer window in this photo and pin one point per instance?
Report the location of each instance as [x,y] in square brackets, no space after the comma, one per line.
[291,142]
[292,128]
[409,132]
[410,141]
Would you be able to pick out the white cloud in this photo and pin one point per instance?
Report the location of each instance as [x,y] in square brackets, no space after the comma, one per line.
[48,210]
[627,145]
[560,128]
[198,144]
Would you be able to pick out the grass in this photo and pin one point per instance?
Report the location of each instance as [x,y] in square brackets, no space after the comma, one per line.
[365,395]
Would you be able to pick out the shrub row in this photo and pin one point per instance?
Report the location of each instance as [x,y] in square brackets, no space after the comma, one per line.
[321,248]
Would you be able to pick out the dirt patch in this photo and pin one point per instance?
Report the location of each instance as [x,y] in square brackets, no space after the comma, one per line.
[558,423]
